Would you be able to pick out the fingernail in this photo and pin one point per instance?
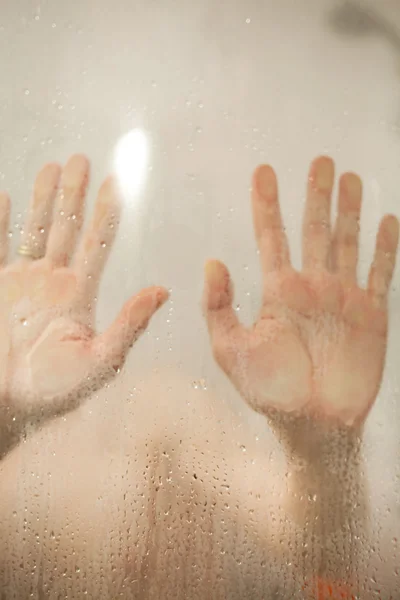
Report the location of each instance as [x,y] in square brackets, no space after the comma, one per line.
[218,288]
[266,181]
[213,272]
[353,184]
[324,174]
[162,296]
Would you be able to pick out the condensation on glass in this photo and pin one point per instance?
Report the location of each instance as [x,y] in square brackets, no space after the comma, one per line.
[165,484]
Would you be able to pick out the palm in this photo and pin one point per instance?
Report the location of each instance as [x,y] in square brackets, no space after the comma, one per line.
[49,339]
[313,352]
[319,343]
[50,355]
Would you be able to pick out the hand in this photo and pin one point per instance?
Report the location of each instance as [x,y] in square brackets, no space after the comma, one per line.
[318,346]
[50,355]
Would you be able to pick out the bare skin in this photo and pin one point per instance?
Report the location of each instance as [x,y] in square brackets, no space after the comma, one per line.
[50,355]
[331,332]
[312,332]
[313,361]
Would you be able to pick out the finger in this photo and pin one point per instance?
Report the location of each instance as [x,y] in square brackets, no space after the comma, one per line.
[40,212]
[345,238]
[68,216]
[112,346]
[4,226]
[217,299]
[382,267]
[316,222]
[268,226]
[98,239]
[226,332]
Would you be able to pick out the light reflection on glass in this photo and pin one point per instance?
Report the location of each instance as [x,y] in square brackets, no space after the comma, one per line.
[131,157]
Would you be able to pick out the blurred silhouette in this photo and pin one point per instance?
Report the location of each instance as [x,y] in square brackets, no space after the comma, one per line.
[352,19]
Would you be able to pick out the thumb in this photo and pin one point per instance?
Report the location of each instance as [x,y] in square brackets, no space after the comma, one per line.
[217,303]
[112,346]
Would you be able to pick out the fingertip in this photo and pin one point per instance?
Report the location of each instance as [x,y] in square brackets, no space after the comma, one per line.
[142,306]
[322,173]
[392,223]
[351,184]
[390,229]
[264,181]
[48,176]
[76,170]
[78,161]
[109,192]
[52,167]
[323,160]
[161,296]
[107,212]
[216,273]
[218,286]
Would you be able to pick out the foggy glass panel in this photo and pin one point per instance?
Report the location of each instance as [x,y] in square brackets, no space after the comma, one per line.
[165,482]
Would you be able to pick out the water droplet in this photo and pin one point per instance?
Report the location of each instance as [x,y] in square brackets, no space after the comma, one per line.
[103,244]
[199,384]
